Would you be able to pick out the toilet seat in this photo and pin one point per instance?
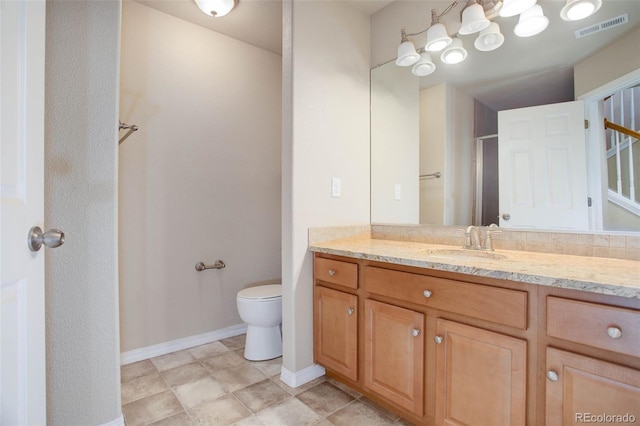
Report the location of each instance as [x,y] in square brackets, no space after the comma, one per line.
[261,292]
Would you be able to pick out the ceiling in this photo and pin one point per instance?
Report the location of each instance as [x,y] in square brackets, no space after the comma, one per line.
[539,68]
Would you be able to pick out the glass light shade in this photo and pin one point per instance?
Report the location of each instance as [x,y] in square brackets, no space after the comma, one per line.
[424,66]
[490,38]
[515,7]
[454,53]
[217,8]
[473,20]
[407,54]
[532,21]
[437,38]
[575,10]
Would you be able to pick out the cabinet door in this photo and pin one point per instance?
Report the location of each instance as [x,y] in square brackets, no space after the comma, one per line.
[336,331]
[582,390]
[394,354]
[480,376]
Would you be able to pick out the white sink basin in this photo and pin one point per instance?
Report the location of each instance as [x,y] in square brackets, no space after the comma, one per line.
[462,254]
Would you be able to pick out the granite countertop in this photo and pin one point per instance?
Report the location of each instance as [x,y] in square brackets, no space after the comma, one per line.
[598,275]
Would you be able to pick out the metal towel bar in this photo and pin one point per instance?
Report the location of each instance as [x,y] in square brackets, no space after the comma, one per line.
[200,266]
[435,175]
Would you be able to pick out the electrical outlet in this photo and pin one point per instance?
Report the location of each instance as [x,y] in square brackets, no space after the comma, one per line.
[398,191]
[336,187]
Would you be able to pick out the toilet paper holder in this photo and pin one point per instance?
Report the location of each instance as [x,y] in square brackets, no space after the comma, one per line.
[219,264]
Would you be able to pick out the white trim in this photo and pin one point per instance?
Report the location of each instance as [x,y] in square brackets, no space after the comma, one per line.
[115,422]
[624,202]
[141,354]
[301,377]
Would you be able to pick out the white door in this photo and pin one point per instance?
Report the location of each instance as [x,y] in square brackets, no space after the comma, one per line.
[542,167]
[22,326]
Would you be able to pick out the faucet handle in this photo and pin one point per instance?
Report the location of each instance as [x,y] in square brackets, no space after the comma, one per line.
[467,237]
[488,243]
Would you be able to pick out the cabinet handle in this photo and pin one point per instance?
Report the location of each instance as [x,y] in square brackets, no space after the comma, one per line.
[415,332]
[614,332]
[438,340]
[350,311]
[331,272]
[427,293]
[552,376]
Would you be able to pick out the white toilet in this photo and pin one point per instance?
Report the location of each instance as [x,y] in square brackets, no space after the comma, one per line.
[261,308]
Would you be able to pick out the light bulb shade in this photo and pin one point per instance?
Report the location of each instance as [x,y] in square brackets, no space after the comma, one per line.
[532,21]
[437,38]
[407,54]
[490,38]
[217,8]
[575,10]
[454,53]
[515,7]
[424,66]
[473,20]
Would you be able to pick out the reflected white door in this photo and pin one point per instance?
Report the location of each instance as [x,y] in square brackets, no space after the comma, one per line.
[542,167]
[22,326]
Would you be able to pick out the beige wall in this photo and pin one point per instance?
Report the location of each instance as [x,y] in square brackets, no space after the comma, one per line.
[325,135]
[83,374]
[395,144]
[199,181]
[608,64]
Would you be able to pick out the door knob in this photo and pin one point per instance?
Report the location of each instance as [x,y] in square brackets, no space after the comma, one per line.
[52,238]
[506,216]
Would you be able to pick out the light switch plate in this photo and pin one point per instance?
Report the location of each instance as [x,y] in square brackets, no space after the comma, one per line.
[336,187]
[398,191]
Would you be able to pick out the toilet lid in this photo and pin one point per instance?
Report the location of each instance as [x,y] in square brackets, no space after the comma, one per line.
[261,292]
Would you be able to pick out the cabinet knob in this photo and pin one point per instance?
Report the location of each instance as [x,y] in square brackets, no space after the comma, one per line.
[552,375]
[427,293]
[331,272]
[415,332]
[438,340]
[614,332]
[350,311]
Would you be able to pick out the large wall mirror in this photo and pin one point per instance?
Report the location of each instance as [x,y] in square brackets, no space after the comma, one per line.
[435,148]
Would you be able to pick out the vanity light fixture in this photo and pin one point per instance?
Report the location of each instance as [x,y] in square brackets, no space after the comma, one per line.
[437,36]
[454,53]
[216,8]
[515,7]
[407,54]
[424,66]
[473,19]
[575,10]
[532,21]
[490,38]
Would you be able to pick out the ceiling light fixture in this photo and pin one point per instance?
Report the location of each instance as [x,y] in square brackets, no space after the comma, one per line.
[407,54]
[490,38]
[473,19]
[216,8]
[515,7]
[437,36]
[454,53]
[575,10]
[424,66]
[532,21]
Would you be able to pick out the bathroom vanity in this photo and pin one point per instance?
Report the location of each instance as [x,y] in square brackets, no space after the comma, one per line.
[442,335]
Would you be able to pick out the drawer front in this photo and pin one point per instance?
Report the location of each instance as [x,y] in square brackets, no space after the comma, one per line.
[336,272]
[605,327]
[499,305]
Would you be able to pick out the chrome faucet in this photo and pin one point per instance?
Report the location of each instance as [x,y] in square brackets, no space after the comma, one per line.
[474,235]
[472,238]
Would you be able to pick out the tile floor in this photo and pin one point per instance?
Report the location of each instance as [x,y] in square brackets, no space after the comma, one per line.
[214,385]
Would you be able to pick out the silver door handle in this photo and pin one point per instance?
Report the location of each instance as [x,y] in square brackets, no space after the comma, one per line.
[506,216]
[52,238]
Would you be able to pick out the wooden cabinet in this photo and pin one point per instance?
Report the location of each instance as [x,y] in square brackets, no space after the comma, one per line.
[581,389]
[335,333]
[481,376]
[394,354]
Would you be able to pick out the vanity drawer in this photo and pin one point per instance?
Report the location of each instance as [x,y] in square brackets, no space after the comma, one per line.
[499,305]
[336,272]
[606,327]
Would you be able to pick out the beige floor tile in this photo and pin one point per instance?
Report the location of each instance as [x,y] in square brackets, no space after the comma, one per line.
[299,389]
[269,367]
[142,387]
[222,362]
[388,413]
[291,412]
[199,391]
[235,342]
[172,360]
[153,408]
[137,369]
[181,419]
[325,398]
[208,350]
[261,395]
[239,377]
[344,388]
[252,420]
[223,411]
[185,374]
[359,414]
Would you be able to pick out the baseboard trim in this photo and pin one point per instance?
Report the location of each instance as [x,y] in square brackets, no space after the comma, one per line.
[115,422]
[301,377]
[141,354]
